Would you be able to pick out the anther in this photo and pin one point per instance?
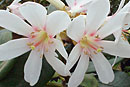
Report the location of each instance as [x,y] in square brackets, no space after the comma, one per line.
[41,56]
[95,52]
[128,31]
[29,44]
[32,47]
[85,52]
[99,50]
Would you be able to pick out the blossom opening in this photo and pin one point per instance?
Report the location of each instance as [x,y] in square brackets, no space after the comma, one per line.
[89,43]
[39,37]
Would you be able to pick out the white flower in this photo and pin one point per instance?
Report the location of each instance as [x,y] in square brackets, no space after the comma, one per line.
[126,24]
[39,38]
[77,6]
[89,34]
[14,8]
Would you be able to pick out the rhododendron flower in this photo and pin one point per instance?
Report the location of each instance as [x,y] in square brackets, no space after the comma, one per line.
[119,36]
[78,6]
[39,37]
[89,34]
[14,8]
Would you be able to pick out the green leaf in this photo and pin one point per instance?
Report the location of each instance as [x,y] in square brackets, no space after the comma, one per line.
[5,66]
[5,36]
[122,79]
[91,67]
[89,81]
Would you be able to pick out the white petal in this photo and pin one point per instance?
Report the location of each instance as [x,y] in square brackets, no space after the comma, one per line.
[15,2]
[119,38]
[123,41]
[34,13]
[60,48]
[117,49]
[14,23]
[121,5]
[76,28]
[13,48]
[117,35]
[127,22]
[103,68]
[114,24]
[126,7]
[57,21]
[33,67]
[73,3]
[96,14]
[73,57]
[78,75]
[57,64]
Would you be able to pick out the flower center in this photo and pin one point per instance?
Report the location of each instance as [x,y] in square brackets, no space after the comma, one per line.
[40,37]
[89,44]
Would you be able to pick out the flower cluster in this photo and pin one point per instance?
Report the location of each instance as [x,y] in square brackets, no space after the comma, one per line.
[86,22]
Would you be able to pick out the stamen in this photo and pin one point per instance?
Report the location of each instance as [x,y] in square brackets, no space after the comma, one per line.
[46,49]
[41,55]
[126,24]
[50,36]
[38,43]
[33,36]
[97,39]
[29,44]
[89,44]
[99,50]
[51,42]
[95,52]
[129,31]
[32,47]
[124,30]
[85,52]
[92,34]
[92,46]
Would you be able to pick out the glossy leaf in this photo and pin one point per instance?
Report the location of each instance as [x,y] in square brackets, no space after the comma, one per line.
[5,66]
[122,79]
[89,81]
